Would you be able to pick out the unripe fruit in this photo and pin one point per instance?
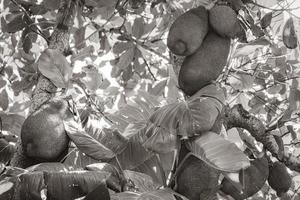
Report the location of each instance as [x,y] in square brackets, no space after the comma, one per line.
[224,21]
[252,179]
[205,65]
[188,31]
[279,178]
[196,179]
[43,133]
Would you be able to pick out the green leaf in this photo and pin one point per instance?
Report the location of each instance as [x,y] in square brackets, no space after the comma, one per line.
[12,122]
[4,99]
[126,58]
[138,27]
[250,48]
[16,24]
[266,20]
[157,139]
[196,115]
[86,143]
[143,182]
[217,152]
[162,194]
[53,65]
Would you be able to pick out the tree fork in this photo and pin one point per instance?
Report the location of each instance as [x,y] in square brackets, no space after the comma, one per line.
[238,117]
[45,89]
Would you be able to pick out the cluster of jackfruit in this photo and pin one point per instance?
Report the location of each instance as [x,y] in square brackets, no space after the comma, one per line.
[203,36]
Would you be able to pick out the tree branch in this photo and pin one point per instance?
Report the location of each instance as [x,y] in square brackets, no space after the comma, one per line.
[45,89]
[240,118]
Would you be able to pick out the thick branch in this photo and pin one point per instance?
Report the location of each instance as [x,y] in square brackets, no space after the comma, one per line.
[45,89]
[240,118]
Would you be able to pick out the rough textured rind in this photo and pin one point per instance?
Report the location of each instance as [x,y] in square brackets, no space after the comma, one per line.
[252,180]
[224,21]
[279,179]
[205,65]
[188,31]
[43,133]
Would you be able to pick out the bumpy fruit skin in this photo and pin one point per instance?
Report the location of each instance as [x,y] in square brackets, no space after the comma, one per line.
[279,179]
[252,179]
[43,133]
[188,31]
[224,21]
[196,179]
[205,65]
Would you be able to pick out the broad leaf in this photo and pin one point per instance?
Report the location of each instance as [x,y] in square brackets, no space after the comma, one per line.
[162,194]
[198,114]
[157,139]
[53,65]
[266,20]
[86,143]
[143,182]
[218,152]
[250,48]
[50,166]
[12,122]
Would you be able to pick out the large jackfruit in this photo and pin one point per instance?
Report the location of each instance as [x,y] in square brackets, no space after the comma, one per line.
[205,65]
[188,31]
[252,180]
[43,133]
[279,178]
[224,21]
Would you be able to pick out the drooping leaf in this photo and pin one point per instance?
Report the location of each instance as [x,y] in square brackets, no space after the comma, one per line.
[12,122]
[55,66]
[266,20]
[126,58]
[16,24]
[75,184]
[143,182]
[7,151]
[87,143]
[218,152]
[50,166]
[289,35]
[157,139]
[116,179]
[153,168]
[4,99]
[99,191]
[198,114]
[162,194]
[249,48]
[138,27]
[92,78]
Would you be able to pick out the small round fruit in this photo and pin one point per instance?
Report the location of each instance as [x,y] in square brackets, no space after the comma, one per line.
[279,178]
[188,31]
[205,65]
[224,21]
[252,180]
[43,134]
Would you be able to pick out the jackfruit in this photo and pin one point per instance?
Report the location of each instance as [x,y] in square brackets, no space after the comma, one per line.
[279,178]
[205,65]
[188,31]
[43,133]
[252,180]
[223,20]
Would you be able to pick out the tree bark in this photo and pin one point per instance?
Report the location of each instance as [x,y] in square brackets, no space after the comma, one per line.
[45,89]
[238,117]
